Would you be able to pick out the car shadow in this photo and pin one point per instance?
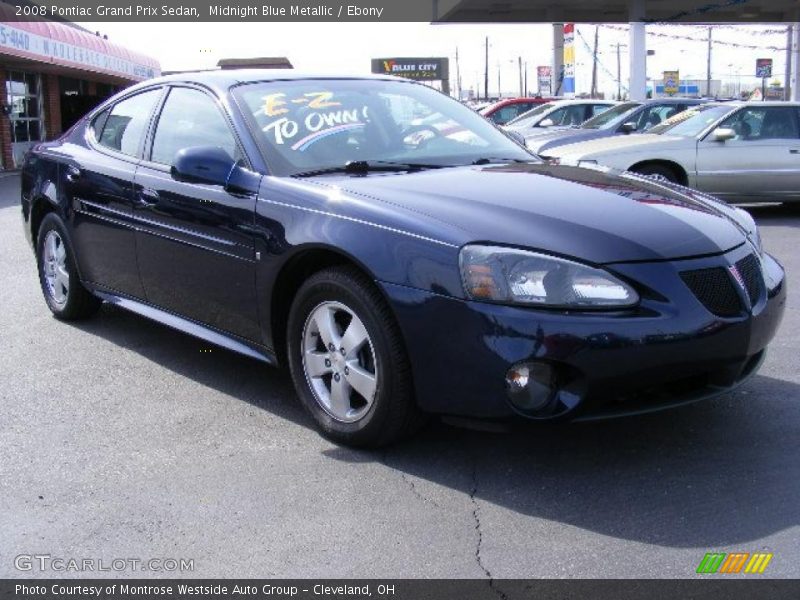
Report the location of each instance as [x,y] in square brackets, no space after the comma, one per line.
[713,474]
[787,214]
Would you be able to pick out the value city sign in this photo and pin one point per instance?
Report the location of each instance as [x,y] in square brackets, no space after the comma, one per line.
[428,69]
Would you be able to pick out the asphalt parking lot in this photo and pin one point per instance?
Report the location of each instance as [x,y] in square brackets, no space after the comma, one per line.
[121,438]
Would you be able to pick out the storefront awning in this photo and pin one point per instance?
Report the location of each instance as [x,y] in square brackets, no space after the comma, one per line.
[68,46]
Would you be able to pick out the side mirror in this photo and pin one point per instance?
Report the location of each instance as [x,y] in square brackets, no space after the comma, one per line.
[628,127]
[546,123]
[723,134]
[516,136]
[212,165]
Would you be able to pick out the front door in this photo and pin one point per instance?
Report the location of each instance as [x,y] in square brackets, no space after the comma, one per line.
[98,183]
[761,163]
[194,241]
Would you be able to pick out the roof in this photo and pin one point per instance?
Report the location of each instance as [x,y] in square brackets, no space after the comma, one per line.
[674,101]
[222,79]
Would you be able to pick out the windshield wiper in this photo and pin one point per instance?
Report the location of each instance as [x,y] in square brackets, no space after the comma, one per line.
[360,167]
[498,160]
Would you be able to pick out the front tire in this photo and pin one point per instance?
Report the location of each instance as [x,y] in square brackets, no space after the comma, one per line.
[66,297]
[658,173]
[348,362]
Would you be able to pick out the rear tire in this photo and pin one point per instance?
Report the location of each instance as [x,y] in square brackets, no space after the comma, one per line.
[66,297]
[658,172]
[348,362]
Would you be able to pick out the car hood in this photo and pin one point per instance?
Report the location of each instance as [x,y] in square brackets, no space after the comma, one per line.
[594,214]
[570,135]
[644,142]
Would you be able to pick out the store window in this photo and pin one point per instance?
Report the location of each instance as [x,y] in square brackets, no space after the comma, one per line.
[23,95]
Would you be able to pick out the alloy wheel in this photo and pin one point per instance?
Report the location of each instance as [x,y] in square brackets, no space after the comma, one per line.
[339,361]
[54,265]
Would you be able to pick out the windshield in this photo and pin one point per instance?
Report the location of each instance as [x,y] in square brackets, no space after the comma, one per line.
[605,119]
[692,122]
[316,124]
[528,119]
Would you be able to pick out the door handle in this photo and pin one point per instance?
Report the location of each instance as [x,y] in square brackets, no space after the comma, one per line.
[73,174]
[148,197]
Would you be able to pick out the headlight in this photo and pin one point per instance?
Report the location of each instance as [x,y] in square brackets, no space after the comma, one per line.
[755,238]
[753,234]
[506,275]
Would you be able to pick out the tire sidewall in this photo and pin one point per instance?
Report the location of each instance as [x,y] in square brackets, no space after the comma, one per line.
[311,295]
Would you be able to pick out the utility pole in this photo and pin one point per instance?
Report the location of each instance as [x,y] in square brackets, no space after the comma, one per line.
[521,90]
[619,71]
[708,65]
[499,89]
[787,83]
[458,76]
[594,61]
[526,78]
[486,73]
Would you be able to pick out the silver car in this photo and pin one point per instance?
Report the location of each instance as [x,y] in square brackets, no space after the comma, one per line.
[557,114]
[739,151]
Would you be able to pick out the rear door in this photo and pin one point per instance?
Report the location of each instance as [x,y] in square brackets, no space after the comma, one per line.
[98,182]
[195,241]
[761,163]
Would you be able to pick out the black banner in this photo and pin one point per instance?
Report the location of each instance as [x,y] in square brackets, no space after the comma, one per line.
[400,589]
[443,11]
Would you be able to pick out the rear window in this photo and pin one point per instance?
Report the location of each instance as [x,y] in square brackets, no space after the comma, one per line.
[125,126]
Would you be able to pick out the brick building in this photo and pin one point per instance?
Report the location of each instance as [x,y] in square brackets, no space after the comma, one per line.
[51,73]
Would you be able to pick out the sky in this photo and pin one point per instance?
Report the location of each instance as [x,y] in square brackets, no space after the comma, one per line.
[346,48]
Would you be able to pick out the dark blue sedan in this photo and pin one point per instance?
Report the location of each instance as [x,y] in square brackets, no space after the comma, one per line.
[398,252]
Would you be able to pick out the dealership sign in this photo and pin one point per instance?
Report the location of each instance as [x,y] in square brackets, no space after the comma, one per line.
[428,69]
[568,85]
[763,67]
[672,82]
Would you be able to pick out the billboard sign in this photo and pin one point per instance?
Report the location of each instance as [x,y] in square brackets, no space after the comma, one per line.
[763,67]
[419,69]
[672,82]
[544,76]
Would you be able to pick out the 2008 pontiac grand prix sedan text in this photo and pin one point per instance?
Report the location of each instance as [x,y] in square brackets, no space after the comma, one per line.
[402,255]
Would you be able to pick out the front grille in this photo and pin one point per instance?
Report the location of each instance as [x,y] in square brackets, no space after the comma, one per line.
[715,290]
[750,270]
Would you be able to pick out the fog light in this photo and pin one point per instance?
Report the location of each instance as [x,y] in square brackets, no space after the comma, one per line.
[530,385]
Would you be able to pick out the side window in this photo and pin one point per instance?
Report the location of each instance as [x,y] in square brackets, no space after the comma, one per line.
[557,116]
[505,114]
[655,115]
[127,122]
[596,109]
[764,123]
[190,118]
[98,122]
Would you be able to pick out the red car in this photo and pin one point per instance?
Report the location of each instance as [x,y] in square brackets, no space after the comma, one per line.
[502,111]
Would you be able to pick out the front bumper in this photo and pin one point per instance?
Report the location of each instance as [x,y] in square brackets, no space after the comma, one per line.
[670,350]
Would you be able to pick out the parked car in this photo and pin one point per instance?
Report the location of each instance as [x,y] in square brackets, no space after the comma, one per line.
[304,221]
[557,114]
[742,152]
[502,111]
[623,119]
